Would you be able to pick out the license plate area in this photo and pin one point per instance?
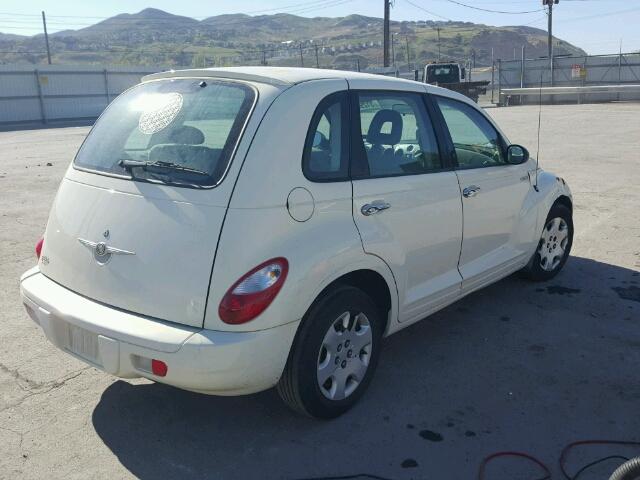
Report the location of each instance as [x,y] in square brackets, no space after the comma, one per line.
[82,343]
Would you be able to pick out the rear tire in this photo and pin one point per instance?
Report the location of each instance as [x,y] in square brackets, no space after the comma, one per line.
[334,355]
[553,247]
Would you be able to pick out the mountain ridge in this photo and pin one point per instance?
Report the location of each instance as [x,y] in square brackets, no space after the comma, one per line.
[153,36]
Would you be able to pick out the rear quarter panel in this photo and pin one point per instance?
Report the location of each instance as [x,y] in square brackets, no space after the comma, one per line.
[258,226]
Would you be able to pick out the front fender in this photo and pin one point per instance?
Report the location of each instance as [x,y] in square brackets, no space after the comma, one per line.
[550,188]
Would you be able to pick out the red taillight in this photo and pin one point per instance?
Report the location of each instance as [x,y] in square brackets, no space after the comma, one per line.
[39,247]
[254,292]
[159,368]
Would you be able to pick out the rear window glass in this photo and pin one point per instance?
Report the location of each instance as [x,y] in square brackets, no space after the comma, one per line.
[178,131]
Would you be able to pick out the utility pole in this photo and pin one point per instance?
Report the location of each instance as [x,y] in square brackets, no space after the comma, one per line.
[46,37]
[438,28]
[264,57]
[550,4]
[301,56]
[317,57]
[387,8]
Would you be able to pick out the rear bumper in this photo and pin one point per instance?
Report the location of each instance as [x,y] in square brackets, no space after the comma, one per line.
[122,343]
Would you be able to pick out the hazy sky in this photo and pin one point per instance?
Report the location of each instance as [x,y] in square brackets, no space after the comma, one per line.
[597,26]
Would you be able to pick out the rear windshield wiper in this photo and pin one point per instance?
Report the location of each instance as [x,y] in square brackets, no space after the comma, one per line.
[129,164]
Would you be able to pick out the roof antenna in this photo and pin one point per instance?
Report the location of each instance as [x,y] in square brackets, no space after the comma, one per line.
[535,185]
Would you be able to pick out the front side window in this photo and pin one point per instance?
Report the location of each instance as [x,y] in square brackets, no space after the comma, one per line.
[325,156]
[397,137]
[477,143]
[178,131]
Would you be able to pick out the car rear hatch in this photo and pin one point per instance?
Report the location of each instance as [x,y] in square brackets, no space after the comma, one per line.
[137,218]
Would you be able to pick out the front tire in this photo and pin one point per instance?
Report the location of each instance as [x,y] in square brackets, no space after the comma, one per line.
[554,245]
[334,355]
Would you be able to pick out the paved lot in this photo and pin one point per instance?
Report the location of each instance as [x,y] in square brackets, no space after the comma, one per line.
[518,366]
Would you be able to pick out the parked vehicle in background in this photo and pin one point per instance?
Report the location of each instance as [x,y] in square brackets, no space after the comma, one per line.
[228,230]
[451,76]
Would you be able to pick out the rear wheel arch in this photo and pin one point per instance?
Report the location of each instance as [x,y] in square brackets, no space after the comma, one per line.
[371,283]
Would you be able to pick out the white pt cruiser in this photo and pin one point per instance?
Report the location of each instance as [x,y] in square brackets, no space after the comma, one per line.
[228,230]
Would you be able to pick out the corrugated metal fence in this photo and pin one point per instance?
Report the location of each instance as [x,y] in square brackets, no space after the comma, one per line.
[52,94]
[621,69]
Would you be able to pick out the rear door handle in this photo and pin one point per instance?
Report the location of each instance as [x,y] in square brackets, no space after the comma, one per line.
[374,207]
[470,191]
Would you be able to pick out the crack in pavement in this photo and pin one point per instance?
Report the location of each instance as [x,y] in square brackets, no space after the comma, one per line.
[46,386]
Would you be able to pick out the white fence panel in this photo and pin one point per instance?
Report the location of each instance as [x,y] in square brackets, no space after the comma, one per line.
[60,92]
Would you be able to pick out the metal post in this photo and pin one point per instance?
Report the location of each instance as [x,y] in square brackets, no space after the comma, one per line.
[358,64]
[522,59]
[619,70]
[499,82]
[106,86]
[43,115]
[301,56]
[550,28]
[317,57]
[406,38]
[438,43]
[46,37]
[387,7]
[620,65]
[493,75]
[522,68]
[393,50]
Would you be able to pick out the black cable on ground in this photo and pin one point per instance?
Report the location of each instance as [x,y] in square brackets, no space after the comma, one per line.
[565,453]
[597,462]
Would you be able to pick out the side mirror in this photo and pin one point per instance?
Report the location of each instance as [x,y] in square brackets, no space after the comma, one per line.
[463,73]
[517,155]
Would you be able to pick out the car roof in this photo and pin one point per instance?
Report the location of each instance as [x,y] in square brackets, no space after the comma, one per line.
[287,76]
[283,76]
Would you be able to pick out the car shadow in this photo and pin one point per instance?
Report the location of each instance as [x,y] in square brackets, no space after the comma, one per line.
[516,366]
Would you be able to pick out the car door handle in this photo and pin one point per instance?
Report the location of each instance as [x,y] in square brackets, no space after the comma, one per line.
[471,191]
[374,207]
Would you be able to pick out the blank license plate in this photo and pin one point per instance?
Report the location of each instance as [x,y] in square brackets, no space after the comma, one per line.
[83,343]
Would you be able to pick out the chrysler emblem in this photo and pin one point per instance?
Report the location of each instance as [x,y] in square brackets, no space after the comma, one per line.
[103,252]
[101,249]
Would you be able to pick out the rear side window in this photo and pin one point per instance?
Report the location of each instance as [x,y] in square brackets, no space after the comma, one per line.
[189,125]
[325,157]
[396,135]
[477,143]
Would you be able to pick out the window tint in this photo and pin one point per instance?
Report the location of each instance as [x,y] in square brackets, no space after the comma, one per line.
[476,142]
[397,134]
[325,155]
[188,122]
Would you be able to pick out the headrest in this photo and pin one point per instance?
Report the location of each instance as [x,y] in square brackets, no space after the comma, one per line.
[195,156]
[375,135]
[184,135]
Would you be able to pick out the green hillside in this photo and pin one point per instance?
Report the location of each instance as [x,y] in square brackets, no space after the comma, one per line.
[155,37]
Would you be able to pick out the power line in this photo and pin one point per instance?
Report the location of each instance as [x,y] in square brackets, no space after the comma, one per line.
[419,7]
[492,11]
